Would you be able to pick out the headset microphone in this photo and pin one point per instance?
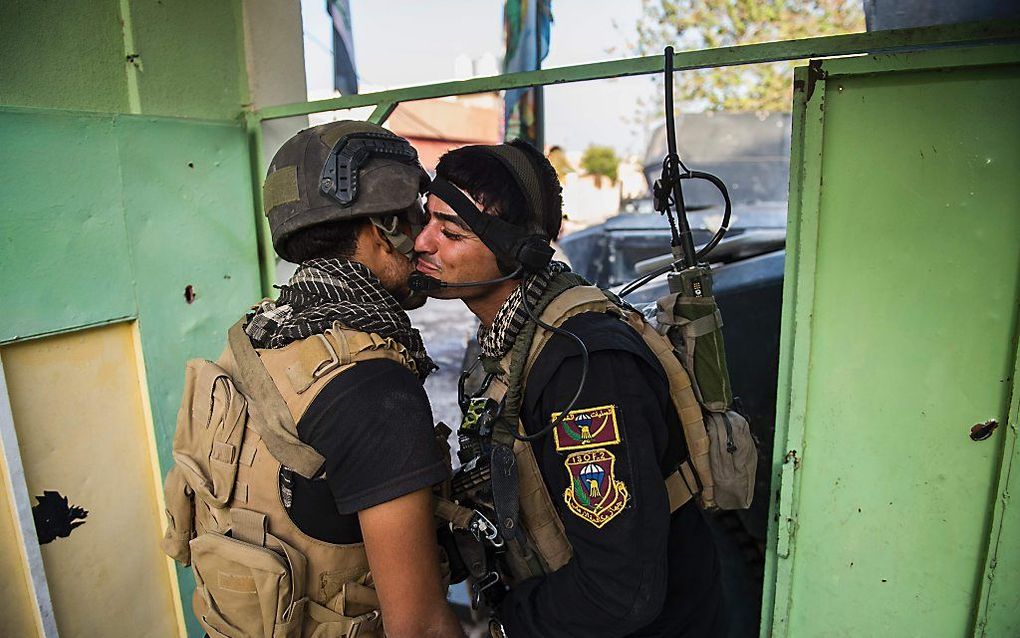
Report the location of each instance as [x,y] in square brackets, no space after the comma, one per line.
[420,282]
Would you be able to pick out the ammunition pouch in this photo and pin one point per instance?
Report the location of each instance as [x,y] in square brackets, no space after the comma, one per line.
[251,583]
[210,429]
[248,586]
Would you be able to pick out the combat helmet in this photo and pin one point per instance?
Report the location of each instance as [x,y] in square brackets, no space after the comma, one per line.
[343,171]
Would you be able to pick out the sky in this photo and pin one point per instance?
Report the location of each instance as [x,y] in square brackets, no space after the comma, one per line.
[407,42]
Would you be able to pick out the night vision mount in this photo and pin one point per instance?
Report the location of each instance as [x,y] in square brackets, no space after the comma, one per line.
[339,179]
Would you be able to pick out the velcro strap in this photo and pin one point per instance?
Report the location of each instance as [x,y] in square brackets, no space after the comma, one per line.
[223,452]
[702,325]
[274,422]
[677,489]
[248,526]
[281,188]
[319,355]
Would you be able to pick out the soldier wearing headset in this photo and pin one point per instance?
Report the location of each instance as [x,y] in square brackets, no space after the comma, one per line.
[587,538]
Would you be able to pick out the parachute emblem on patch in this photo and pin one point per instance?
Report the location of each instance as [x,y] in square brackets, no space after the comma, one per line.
[594,493]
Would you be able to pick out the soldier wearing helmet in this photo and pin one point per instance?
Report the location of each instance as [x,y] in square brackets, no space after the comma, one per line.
[305,454]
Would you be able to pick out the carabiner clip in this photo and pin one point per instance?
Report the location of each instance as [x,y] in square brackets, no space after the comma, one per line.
[484,531]
[487,582]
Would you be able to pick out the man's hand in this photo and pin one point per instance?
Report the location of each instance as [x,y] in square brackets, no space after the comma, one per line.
[400,539]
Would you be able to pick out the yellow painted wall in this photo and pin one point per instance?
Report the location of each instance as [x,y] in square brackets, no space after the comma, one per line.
[17,616]
[78,410]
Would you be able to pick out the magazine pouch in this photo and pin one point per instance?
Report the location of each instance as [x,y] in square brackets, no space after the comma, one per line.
[210,426]
[249,583]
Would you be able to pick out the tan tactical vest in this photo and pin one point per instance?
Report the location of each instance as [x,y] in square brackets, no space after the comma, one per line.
[256,573]
[542,525]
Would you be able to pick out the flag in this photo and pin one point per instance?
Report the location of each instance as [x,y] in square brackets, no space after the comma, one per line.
[526,27]
[345,75]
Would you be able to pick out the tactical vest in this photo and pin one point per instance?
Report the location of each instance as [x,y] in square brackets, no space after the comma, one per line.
[256,573]
[545,547]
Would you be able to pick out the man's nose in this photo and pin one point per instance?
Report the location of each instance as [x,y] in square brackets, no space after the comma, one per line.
[425,241]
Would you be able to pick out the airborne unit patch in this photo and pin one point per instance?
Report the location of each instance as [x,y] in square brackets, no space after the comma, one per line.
[586,428]
[594,494]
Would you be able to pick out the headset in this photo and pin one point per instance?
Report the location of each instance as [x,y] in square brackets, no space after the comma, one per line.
[508,242]
[420,282]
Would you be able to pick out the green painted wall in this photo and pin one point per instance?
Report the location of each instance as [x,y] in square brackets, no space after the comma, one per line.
[63,55]
[1000,595]
[187,57]
[62,227]
[900,333]
[127,178]
[192,56]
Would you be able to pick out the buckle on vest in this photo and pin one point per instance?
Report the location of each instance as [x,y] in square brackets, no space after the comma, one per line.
[329,365]
[363,621]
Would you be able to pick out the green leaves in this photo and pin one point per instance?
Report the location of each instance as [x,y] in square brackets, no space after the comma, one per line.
[600,160]
[579,492]
[698,24]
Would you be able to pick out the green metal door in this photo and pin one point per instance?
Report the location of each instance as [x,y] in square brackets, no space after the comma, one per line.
[899,334]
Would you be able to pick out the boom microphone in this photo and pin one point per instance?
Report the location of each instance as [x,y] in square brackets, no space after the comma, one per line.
[420,282]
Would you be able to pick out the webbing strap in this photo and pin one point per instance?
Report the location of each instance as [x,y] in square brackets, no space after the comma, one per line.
[694,327]
[401,242]
[575,301]
[345,626]
[315,357]
[248,526]
[457,515]
[274,422]
[677,487]
[510,415]
[505,486]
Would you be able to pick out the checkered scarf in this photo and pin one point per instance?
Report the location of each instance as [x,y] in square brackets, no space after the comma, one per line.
[326,290]
[497,340]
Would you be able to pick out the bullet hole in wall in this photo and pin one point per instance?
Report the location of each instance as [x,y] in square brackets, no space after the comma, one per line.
[189,293]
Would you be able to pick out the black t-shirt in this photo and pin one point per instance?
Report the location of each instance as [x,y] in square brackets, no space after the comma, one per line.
[636,570]
[373,425]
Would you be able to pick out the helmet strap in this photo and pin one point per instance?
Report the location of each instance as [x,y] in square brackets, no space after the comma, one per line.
[400,241]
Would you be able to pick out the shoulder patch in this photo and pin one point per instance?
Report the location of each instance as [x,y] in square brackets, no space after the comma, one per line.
[594,493]
[586,428]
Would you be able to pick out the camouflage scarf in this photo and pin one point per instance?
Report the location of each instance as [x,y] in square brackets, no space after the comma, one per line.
[326,290]
[497,340]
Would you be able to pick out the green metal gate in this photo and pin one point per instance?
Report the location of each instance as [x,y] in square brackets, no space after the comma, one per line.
[900,333]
